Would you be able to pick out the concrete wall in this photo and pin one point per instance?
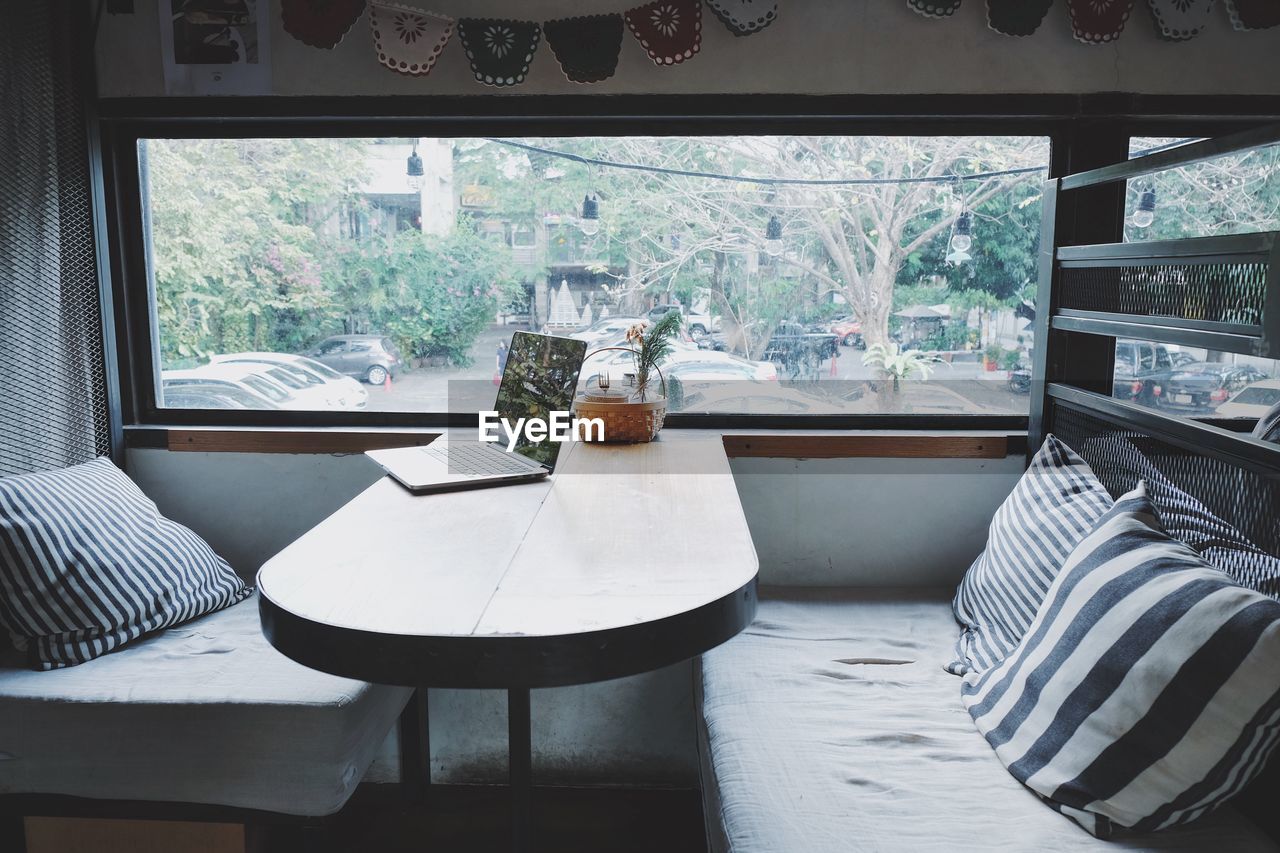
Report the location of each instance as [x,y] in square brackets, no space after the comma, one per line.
[828,522]
[815,46]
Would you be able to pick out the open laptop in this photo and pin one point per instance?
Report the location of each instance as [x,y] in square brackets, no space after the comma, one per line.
[541,376]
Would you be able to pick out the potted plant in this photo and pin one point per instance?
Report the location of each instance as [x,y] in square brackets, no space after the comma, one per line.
[634,413]
[991,357]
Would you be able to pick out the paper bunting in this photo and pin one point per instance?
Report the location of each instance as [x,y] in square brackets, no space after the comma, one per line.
[587,48]
[1099,21]
[408,40]
[500,50]
[1017,17]
[1253,14]
[320,23]
[744,17]
[1180,20]
[670,31]
[935,8]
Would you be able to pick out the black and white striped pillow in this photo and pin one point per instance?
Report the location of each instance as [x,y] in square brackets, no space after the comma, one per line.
[87,563]
[1147,691]
[1055,505]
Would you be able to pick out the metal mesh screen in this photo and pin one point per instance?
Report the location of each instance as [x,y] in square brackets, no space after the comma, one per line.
[1244,499]
[1219,292]
[55,409]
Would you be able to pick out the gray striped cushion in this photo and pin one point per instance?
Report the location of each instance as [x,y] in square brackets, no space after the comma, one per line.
[1055,504]
[87,563]
[1147,692]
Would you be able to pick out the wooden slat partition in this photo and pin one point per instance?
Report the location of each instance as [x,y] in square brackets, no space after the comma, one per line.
[292,441]
[783,446]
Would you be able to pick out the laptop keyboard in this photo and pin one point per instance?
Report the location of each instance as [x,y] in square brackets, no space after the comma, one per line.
[477,460]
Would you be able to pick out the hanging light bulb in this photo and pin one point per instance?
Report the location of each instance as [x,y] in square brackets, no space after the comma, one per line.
[962,237]
[1146,212]
[773,237]
[590,221]
[413,171]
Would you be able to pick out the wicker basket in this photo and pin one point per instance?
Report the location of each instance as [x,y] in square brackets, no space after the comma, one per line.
[625,421]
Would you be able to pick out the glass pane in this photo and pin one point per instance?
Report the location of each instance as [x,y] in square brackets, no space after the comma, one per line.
[1233,194]
[1195,382]
[813,275]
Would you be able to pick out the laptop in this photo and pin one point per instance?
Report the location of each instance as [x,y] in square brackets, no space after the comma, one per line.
[541,376]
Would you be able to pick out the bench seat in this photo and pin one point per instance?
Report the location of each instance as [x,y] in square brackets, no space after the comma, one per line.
[206,712]
[830,725]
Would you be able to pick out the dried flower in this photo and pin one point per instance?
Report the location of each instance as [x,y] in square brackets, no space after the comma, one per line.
[636,332]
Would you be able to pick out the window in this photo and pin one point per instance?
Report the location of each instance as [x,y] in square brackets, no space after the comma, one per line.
[821,275]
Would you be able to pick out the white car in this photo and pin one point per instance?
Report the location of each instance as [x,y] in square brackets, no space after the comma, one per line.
[259,378]
[322,386]
[685,361]
[605,329]
[251,390]
[1253,401]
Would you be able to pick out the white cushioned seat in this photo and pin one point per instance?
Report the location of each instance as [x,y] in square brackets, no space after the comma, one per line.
[206,712]
[830,725]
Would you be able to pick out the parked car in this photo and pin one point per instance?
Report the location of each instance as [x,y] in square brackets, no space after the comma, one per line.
[697,325]
[685,364]
[793,346]
[849,332]
[1205,385]
[308,378]
[229,383]
[1252,402]
[371,358]
[211,394]
[753,398]
[605,329]
[1182,359]
[1142,371]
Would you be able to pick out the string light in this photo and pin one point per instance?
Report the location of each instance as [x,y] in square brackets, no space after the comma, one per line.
[773,237]
[590,221]
[962,239]
[413,171]
[1146,212]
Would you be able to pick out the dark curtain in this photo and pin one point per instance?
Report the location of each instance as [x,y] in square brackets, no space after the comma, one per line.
[53,400]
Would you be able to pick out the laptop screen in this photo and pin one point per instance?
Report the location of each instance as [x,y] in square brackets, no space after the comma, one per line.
[541,376]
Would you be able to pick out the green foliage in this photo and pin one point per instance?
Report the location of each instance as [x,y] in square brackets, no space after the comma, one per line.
[433,295]
[234,248]
[949,337]
[899,365]
[253,251]
[655,345]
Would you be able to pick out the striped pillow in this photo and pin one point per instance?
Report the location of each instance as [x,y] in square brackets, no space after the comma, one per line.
[1055,504]
[1146,693]
[87,563]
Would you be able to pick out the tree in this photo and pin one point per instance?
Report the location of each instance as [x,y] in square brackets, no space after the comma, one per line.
[849,240]
[235,246]
[434,295]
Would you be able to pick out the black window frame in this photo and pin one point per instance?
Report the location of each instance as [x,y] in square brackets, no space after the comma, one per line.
[1084,132]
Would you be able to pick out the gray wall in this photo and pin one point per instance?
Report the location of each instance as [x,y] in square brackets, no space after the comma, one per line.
[855,522]
[816,46]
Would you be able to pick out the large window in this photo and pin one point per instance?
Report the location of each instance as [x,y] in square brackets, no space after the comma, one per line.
[814,274]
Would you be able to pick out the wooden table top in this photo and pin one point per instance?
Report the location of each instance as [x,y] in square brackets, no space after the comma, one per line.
[629,558]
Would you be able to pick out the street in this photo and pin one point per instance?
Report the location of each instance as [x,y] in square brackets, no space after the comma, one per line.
[960,388]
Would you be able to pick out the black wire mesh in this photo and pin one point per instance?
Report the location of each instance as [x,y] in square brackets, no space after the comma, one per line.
[1218,292]
[55,409]
[1120,456]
